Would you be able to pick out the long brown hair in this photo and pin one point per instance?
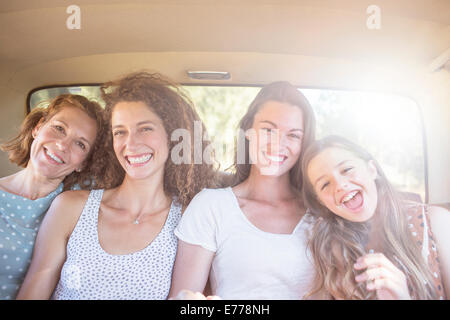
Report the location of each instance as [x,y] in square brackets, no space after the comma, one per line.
[337,243]
[18,148]
[166,99]
[284,92]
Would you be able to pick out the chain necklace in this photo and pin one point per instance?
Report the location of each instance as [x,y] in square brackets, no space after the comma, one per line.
[136,221]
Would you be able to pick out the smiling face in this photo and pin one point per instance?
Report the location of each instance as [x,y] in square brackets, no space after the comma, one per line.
[344,183]
[140,140]
[275,139]
[62,143]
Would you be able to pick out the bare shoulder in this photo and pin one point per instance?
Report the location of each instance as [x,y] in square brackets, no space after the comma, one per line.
[68,205]
[5,182]
[71,197]
[440,223]
[65,211]
[439,215]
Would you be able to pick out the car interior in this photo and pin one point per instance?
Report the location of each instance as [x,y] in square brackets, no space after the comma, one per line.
[375,71]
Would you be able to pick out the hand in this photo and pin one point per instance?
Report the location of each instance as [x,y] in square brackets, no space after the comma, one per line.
[383,276]
[190,295]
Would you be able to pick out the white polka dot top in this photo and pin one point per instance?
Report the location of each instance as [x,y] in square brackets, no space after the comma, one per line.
[90,273]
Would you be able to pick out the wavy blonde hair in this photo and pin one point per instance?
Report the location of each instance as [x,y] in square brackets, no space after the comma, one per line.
[337,243]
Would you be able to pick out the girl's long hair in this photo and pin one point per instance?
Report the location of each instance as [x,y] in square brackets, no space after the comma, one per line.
[337,243]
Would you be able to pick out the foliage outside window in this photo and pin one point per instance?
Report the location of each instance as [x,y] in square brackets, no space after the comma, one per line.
[388,126]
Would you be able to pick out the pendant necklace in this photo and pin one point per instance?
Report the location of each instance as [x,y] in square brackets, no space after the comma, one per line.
[136,221]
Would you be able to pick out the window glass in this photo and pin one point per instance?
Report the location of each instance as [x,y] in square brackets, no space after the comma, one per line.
[388,126]
[42,97]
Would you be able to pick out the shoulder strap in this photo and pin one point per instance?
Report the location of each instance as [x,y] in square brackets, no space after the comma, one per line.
[419,224]
[87,223]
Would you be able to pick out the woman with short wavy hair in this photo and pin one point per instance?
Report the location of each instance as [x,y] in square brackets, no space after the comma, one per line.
[56,146]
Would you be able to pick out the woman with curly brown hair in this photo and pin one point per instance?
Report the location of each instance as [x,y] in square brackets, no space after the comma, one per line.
[55,146]
[118,243]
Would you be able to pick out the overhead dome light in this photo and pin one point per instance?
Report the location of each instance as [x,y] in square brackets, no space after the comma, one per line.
[209,75]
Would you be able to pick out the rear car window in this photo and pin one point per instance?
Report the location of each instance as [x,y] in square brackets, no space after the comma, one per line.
[389,126]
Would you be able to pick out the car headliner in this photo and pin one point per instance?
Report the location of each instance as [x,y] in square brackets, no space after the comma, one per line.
[311,43]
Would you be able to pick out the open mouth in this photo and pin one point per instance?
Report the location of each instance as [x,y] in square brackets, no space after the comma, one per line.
[53,156]
[353,200]
[139,160]
[275,158]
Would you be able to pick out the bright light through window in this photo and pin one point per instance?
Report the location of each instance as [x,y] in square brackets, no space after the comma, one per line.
[388,126]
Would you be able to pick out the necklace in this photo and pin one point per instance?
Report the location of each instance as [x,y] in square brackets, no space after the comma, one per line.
[136,221]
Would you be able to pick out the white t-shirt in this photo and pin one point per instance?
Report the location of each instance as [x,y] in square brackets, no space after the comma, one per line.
[248,263]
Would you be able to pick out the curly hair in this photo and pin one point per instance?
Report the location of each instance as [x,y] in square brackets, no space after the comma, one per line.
[337,243]
[166,99]
[18,148]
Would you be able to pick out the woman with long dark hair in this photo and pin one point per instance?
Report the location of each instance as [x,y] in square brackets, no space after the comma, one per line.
[249,239]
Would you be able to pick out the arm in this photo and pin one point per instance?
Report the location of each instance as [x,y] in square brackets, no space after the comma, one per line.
[50,247]
[191,268]
[440,224]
